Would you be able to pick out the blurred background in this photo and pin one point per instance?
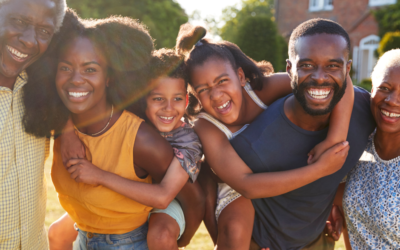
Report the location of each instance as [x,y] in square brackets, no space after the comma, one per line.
[261,28]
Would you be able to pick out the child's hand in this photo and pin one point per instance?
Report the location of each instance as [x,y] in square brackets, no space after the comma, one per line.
[317,151]
[82,170]
[71,147]
[333,159]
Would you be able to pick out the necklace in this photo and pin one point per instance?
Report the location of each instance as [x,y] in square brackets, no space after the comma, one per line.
[112,110]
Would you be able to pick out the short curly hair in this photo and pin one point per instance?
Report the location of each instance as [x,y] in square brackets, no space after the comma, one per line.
[61,6]
[317,26]
[166,62]
[127,47]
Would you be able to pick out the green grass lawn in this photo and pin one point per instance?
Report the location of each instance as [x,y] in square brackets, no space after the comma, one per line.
[201,240]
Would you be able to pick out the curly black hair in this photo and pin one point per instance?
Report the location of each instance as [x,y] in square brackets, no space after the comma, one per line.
[127,46]
[197,50]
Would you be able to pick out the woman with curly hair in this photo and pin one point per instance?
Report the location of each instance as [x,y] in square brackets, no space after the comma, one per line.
[108,195]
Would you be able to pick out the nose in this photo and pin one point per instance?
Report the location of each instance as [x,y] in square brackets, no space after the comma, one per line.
[319,75]
[215,94]
[77,78]
[393,99]
[28,37]
[168,105]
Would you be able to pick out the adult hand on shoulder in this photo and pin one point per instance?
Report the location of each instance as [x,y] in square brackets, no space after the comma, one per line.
[333,159]
[82,170]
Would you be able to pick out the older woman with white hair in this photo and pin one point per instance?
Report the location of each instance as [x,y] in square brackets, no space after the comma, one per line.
[372,196]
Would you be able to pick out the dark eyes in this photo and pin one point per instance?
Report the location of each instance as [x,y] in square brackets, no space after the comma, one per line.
[157,99]
[161,99]
[91,70]
[383,88]
[64,68]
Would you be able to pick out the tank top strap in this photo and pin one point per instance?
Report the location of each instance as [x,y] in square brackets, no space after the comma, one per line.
[217,123]
[253,96]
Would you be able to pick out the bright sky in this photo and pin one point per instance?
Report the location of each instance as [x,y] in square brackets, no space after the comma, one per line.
[206,7]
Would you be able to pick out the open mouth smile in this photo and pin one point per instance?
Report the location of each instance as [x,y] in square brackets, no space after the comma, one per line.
[389,114]
[224,108]
[166,119]
[17,55]
[319,93]
[78,94]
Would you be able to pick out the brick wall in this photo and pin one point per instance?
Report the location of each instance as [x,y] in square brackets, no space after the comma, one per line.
[354,15]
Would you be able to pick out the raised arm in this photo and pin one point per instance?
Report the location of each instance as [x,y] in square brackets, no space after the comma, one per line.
[219,154]
[339,123]
[153,154]
[275,86]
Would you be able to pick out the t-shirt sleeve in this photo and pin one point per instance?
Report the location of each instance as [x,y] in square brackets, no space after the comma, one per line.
[188,151]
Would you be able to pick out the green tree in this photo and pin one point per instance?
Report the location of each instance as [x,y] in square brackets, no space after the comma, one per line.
[162,17]
[234,16]
[388,18]
[390,40]
[258,38]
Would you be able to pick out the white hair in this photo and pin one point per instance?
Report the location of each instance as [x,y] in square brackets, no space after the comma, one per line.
[61,7]
[389,60]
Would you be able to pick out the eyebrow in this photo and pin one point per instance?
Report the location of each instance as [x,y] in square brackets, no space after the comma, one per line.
[85,64]
[340,61]
[156,93]
[222,75]
[304,60]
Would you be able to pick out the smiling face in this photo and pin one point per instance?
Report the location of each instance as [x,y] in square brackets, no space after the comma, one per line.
[385,101]
[82,78]
[219,88]
[26,29]
[166,103]
[318,72]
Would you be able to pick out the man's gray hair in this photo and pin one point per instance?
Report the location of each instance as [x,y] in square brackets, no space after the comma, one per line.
[61,7]
[391,59]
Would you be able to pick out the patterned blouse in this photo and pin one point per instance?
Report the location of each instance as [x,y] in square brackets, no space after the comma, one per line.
[187,148]
[372,202]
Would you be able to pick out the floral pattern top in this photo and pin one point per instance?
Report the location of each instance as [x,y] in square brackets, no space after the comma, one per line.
[187,148]
[372,202]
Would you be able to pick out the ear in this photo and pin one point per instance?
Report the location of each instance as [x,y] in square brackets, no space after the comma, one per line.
[348,66]
[289,67]
[242,77]
[107,82]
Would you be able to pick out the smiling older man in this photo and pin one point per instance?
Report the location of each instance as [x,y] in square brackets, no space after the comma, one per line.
[26,29]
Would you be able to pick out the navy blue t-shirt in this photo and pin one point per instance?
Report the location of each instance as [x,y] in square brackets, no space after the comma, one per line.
[273,143]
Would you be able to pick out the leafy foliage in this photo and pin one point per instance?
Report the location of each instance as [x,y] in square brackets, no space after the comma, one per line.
[388,18]
[162,17]
[390,40]
[257,37]
[234,16]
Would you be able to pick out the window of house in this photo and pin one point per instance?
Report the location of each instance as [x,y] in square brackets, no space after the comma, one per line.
[381,2]
[319,5]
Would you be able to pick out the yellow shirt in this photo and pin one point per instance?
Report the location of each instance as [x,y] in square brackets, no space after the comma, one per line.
[22,182]
[98,209]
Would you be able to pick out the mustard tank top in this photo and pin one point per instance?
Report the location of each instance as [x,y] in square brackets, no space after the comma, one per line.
[98,209]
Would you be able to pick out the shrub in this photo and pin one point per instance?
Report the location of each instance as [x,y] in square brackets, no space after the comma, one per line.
[391,40]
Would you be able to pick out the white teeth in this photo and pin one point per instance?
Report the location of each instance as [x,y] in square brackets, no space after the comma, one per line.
[319,94]
[167,118]
[16,52]
[78,94]
[224,105]
[388,114]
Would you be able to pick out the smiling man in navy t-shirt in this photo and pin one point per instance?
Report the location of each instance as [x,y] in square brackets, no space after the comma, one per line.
[280,138]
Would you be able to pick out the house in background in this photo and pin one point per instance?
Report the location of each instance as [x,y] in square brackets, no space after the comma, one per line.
[354,15]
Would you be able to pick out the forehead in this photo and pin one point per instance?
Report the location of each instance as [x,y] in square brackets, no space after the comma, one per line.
[168,85]
[32,10]
[321,47]
[82,49]
[391,75]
